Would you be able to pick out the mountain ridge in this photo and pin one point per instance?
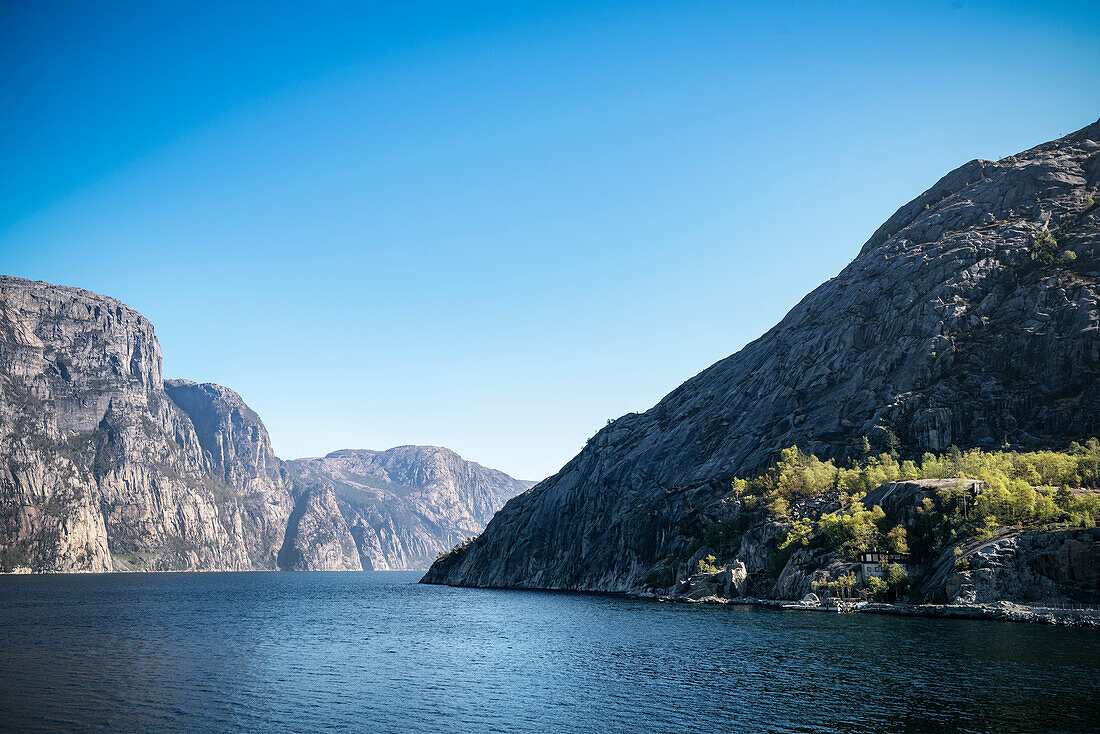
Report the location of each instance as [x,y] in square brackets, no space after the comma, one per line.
[968,318]
[105,465]
[403,504]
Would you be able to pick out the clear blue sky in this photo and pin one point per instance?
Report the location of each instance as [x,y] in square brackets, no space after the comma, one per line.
[492,226]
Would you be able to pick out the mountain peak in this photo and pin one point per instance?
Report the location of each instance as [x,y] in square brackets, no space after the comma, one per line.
[970,318]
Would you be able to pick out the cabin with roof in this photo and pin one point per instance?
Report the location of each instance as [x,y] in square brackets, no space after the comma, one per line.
[873,564]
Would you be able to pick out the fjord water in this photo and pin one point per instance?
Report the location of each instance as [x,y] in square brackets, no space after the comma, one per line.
[377,652]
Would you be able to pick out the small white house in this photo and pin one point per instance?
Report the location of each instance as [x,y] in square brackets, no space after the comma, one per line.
[874,564]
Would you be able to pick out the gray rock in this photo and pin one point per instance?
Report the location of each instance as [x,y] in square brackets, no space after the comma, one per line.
[317,537]
[1035,567]
[99,469]
[238,453]
[901,500]
[408,504]
[105,466]
[944,330]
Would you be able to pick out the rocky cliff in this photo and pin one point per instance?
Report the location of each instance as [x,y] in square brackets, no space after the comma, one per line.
[106,466]
[99,468]
[283,522]
[408,504]
[969,318]
[1021,566]
[238,456]
[317,536]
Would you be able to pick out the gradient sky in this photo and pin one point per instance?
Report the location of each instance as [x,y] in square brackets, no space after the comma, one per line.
[492,226]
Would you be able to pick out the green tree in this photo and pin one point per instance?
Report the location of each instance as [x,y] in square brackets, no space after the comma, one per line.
[706,565]
[897,580]
[852,531]
[842,586]
[896,540]
[776,505]
[877,587]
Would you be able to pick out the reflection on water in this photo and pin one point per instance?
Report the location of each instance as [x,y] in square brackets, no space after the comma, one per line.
[377,652]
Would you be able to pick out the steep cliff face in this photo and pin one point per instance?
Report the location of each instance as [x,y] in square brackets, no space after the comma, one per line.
[406,505]
[969,318]
[1028,566]
[104,466]
[98,468]
[238,455]
[317,537]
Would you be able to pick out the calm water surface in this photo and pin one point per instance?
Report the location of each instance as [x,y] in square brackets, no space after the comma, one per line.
[376,652]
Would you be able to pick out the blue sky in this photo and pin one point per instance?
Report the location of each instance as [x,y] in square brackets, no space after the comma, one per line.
[492,226]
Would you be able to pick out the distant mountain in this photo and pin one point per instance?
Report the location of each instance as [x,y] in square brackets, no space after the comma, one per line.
[970,318]
[408,504]
[105,466]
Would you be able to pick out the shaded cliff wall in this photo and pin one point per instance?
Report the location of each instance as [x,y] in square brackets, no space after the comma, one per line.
[970,318]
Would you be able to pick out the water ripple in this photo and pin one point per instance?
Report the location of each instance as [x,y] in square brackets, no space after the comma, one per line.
[378,653]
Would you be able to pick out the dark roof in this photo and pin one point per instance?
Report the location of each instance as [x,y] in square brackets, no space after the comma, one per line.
[880,556]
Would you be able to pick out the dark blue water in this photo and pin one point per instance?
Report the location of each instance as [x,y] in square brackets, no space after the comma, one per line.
[379,653]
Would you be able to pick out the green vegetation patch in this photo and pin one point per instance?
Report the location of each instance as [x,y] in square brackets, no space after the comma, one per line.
[1035,488]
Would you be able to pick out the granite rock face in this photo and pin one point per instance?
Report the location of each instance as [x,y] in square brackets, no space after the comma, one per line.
[970,318]
[1029,566]
[317,537]
[408,504]
[99,469]
[238,454]
[106,466]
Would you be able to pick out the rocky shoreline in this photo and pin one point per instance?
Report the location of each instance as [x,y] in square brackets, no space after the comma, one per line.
[968,320]
[1002,611]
